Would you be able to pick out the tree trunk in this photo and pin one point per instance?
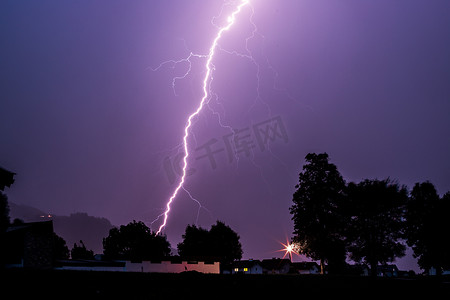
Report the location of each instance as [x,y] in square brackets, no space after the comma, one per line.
[322,266]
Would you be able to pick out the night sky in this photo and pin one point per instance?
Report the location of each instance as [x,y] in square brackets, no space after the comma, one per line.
[90,121]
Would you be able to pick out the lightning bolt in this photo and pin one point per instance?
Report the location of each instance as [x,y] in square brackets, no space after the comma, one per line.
[231,20]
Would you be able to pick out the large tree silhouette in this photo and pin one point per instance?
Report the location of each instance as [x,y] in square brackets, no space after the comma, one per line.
[136,242]
[196,243]
[427,219]
[219,243]
[316,212]
[225,243]
[444,209]
[4,223]
[60,249]
[376,221]
[4,213]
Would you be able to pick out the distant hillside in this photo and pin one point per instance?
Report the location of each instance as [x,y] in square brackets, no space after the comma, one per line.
[73,228]
[80,226]
[26,213]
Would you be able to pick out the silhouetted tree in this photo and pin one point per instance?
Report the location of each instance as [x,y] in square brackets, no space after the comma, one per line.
[225,243]
[195,244]
[4,223]
[60,249]
[444,209]
[17,221]
[316,212]
[220,242]
[4,213]
[376,221]
[80,252]
[426,220]
[136,242]
[6,179]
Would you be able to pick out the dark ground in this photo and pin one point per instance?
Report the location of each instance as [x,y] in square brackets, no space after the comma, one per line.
[52,284]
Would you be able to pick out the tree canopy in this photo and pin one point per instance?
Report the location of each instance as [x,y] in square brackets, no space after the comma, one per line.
[426,220]
[376,221]
[316,211]
[220,242]
[136,242]
[60,249]
[4,212]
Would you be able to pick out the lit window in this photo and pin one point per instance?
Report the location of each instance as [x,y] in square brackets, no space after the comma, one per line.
[245,269]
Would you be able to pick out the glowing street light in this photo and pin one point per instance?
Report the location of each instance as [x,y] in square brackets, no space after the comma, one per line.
[288,249]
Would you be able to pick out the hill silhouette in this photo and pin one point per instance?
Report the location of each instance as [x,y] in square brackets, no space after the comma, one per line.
[78,226]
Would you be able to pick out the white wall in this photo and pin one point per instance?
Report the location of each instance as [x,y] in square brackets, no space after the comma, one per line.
[147,266]
[168,267]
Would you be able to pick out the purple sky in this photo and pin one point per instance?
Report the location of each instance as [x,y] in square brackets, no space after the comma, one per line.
[87,124]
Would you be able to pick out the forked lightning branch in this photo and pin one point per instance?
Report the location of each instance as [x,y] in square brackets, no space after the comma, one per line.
[203,101]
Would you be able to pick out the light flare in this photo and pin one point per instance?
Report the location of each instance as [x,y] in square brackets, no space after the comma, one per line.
[231,19]
[289,249]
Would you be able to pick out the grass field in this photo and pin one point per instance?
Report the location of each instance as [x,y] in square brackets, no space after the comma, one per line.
[52,284]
